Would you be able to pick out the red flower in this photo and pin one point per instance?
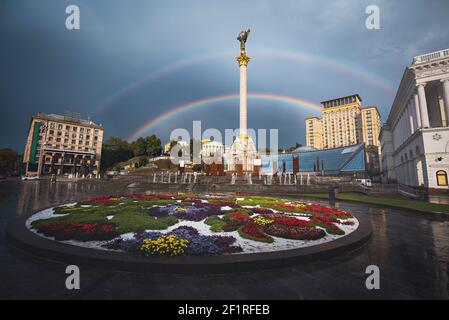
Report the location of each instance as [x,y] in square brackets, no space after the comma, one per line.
[140,196]
[253,230]
[295,232]
[282,206]
[292,222]
[240,216]
[107,228]
[101,200]
[166,196]
[324,220]
[327,211]
[72,229]
[88,227]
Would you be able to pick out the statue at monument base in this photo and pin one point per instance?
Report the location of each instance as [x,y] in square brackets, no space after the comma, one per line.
[242,154]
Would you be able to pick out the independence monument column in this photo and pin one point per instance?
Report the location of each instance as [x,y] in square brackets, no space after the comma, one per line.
[243,61]
[243,150]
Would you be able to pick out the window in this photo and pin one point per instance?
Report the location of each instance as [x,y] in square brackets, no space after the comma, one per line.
[75,129]
[441,178]
[59,126]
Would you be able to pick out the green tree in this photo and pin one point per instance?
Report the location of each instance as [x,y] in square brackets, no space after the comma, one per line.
[9,161]
[296,146]
[115,150]
[139,147]
[153,146]
[372,149]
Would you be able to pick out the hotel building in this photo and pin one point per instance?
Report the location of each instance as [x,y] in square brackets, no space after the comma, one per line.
[62,145]
[314,133]
[415,138]
[344,122]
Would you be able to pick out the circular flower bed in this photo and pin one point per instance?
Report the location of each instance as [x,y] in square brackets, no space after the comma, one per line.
[192,224]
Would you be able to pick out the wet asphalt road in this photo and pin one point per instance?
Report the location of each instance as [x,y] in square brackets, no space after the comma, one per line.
[411,250]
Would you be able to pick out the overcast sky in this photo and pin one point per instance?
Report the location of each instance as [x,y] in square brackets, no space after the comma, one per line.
[312,50]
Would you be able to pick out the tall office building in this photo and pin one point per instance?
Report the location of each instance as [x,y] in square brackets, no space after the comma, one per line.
[314,129]
[344,122]
[62,145]
[371,126]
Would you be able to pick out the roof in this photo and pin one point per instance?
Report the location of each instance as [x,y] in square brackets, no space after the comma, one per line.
[311,118]
[68,119]
[354,95]
[304,149]
[432,56]
[334,161]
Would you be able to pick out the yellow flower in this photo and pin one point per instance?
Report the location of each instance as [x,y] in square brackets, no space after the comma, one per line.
[260,220]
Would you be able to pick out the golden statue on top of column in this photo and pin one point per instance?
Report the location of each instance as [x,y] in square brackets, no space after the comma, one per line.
[243,59]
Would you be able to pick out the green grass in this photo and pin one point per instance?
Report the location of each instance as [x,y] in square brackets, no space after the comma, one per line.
[423,206]
[216,224]
[138,221]
[130,216]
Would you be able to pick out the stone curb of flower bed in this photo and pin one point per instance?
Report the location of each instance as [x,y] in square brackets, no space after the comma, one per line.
[22,238]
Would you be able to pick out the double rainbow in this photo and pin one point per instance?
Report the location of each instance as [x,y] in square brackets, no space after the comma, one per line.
[208,101]
[301,57]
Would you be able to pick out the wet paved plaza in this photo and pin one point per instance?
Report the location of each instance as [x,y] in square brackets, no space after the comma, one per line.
[411,250]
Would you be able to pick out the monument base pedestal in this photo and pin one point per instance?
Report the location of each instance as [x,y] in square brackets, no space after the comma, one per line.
[242,155]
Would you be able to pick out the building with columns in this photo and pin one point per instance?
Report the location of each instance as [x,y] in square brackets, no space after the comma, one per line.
[415,138]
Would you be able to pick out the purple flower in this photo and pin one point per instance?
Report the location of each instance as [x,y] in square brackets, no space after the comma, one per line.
[258,210]
[195,212]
